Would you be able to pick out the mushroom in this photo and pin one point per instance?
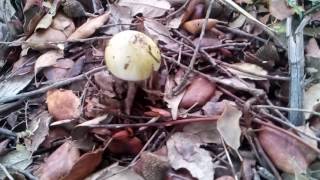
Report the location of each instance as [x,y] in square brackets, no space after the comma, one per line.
[133,57]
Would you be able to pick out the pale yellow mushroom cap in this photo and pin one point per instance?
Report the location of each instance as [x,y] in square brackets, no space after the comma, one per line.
[132,56]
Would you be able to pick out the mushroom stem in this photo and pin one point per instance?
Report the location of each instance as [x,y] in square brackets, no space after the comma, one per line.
[131,93]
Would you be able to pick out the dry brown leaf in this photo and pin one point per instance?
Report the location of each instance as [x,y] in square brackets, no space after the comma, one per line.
[311,99]
[90,27]
[228,125]
[288,154]
[192,95]
[194,26]
[59,30]
[184,152]
[252,68]
[55,133]
[59,70]
[47,59]
[30,3]
[85,165]
[152,166]
[225,178]
[63,104]
[60,162]
[279,9]
[150,8]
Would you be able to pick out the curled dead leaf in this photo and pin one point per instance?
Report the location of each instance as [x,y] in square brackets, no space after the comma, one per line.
[47,59]
[194,26]
[287,153]
[63,104]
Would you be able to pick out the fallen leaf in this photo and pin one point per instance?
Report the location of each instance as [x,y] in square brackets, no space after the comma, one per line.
[288,154]
[194,26]
[115,172]
[85,165]
[207,131]
[14,84]
[63,104]
[192,95]
[90,27]
[39,127]
[60,162]
[184,152]
[39,39]
[151,8]
[279,9]
[46,20]
[30,3]
[252,68]
[225,178]
[54,134]
[19,159]
[121,15]
[311,99]
[228,125]
[47,59]
[157,31]
[59,70]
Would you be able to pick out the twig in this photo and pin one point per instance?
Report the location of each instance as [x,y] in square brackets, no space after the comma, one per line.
[181,85]
[55,85]
[241,33]
[266,158]
[229,159]
[25,173]
[156,124]
[7,132]
[296,65]
[4,169]
[287,109]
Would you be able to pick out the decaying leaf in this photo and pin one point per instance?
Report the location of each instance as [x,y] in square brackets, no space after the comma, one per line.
[19,159]
[60,162]
[287,153]
[47,59]
[39,127]
[193,97]
[228,125]
[157,31]
[86,164]
[311,99]
[88,28]
[58,71]
[151,8]
[63,104]
[184,152]
[194,26]
[279,9]
[207,131]
[252,68]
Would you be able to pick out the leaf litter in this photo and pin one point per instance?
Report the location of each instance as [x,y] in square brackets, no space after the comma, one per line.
[216,109]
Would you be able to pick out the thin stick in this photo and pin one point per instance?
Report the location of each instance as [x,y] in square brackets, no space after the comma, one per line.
[229,159]
[156,124]
[4,169]
[55,85]
[287,109]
